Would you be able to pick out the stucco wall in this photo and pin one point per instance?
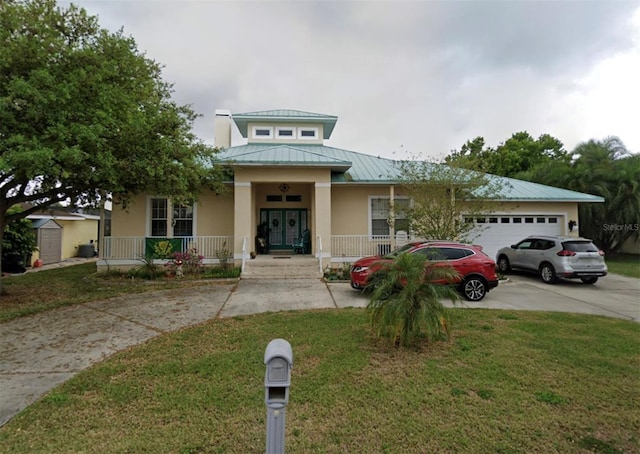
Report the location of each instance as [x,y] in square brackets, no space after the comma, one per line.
[214,214]
[129,221]
[349,204]
[263,174]
[75,233]
[350,208]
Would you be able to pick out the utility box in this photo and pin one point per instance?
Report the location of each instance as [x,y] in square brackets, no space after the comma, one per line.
[86,251]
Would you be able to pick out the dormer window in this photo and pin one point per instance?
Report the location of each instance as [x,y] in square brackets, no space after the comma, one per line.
[262,132]
[308,133]
[285,133]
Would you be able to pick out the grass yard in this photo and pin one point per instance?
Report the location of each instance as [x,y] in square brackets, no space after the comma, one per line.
[507,382]
[30,293]
[625,264]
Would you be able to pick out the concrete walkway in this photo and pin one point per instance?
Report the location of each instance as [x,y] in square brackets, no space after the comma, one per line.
[41,351]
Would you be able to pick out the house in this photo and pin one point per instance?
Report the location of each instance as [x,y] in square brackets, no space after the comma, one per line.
[62,234]
[286,180]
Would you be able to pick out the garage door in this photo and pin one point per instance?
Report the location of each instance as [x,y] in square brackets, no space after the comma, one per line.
[495,232]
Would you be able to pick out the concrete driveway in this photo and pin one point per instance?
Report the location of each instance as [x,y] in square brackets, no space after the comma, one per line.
[41,351]
[613,296]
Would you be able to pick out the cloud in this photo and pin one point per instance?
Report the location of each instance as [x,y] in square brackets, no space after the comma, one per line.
[419,77]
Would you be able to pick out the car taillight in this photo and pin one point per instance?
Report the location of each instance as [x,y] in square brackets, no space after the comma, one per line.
[565,253]
[601,253]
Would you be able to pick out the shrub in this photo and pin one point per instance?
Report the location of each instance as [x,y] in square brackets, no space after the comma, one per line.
[404,303]
[343,273]
[189,262]
[147,269]
[224,255]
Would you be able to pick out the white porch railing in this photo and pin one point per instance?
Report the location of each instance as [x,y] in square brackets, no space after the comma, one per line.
[244,253]
[132,248]
[319,247]
[345,248]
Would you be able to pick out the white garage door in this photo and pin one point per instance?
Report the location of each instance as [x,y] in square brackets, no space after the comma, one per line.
[497,231]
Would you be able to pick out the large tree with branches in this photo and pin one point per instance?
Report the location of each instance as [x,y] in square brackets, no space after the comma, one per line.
[442,196]
[85,115]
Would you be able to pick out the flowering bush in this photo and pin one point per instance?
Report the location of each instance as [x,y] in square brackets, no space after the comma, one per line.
[189,262]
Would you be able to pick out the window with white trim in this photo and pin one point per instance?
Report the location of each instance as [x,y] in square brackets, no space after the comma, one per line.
[159,217]
[380,210]
[182,220]
[262,132]
[308,133]
[285,133]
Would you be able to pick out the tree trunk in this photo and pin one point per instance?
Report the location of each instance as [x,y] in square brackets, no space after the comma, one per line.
[2,224]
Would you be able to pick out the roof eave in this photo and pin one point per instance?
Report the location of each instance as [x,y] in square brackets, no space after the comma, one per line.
[521,199]
[333,166]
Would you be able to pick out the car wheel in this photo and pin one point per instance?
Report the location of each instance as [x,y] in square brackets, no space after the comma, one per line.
[474,289]
[548,274]
[589,280]
[503,264]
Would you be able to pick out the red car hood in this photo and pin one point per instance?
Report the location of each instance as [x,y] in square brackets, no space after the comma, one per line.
[367,261]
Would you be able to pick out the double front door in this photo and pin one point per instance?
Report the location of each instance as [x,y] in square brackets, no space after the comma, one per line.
[284,226]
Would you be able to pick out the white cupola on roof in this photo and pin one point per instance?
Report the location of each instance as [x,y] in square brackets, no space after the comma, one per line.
[285,126]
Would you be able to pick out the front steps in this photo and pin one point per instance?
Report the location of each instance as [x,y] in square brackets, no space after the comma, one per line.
[282,266]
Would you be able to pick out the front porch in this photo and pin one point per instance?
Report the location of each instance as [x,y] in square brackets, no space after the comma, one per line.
[125,252]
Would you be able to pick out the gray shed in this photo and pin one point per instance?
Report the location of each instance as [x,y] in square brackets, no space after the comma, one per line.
[49,240]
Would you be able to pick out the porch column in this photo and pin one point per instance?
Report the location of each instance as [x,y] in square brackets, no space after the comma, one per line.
[242,204]
[322,218]
[392,218]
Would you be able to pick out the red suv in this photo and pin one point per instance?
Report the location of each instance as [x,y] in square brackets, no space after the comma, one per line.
[476,269]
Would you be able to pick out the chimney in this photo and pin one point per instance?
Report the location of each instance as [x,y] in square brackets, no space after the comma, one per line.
[222,128]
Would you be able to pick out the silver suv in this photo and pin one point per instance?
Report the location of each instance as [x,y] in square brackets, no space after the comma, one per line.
[554,257]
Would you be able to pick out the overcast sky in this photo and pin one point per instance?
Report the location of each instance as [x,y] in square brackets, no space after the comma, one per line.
[410,78]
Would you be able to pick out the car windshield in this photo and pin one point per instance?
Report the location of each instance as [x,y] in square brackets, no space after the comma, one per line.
[400,250]
[579,246]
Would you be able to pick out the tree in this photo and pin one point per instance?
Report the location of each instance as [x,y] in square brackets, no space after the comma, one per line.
[405,305]
[84,114]
[515,158]
[19,239]
[606,168]
[442,196]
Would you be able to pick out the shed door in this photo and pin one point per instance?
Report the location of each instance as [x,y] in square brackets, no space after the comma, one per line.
[50,245]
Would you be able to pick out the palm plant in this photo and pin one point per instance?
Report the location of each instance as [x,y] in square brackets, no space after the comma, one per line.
[405,299]
[607,169]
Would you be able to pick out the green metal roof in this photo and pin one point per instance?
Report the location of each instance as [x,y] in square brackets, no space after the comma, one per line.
[527,191]
[349,167]
[284,155]
[284,116]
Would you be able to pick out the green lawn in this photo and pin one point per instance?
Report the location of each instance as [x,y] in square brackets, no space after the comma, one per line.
[40,291]
[625,264]
[507,382]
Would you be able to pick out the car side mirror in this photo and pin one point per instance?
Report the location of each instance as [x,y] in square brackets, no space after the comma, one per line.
[514,246]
